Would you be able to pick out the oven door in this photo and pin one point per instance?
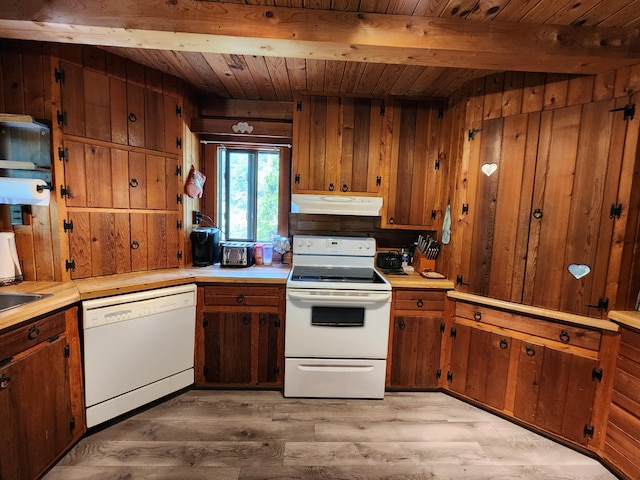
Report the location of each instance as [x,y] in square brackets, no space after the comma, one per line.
[325,323]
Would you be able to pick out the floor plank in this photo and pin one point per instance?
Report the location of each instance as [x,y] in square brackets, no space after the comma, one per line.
[250,435]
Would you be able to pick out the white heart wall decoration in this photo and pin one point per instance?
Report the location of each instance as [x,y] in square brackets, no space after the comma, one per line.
[489,168]
[578,270]
[242,127]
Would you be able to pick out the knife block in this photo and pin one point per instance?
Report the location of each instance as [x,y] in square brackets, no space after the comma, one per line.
[422,264]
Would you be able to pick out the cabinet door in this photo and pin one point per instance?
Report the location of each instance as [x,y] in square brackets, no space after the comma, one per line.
[415,351]
[414,179]
[270,349]
[457,375]
[227,347]
[555,390]
[135,115]
[36,403]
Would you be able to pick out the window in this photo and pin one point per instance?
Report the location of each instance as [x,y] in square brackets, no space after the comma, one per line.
[248,193]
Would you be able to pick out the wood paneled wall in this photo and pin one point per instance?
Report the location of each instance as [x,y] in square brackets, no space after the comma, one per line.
[513,96]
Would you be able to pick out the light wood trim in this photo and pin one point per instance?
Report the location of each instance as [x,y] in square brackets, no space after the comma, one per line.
[336,35]
[536,311]
[629,319]
[261,128]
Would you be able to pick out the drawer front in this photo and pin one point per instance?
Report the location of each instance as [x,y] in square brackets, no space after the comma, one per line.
[568,334]
[22,338]
[419,300]
[242,296]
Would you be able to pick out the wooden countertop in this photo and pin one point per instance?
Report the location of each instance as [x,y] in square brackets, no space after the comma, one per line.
[536,311]
[629,318]
[417,282]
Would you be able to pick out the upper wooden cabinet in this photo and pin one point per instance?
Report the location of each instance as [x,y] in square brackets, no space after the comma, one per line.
[104,107]
[340,145]
[546,202]
[414,173]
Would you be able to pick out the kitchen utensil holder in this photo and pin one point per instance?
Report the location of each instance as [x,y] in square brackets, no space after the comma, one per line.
[421,263]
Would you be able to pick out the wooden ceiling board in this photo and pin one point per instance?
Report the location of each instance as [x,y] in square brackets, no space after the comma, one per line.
[403,68]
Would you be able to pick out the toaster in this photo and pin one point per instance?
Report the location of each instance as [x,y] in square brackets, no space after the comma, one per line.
[236,254]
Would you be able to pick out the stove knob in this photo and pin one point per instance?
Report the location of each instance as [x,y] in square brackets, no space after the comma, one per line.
[308,243]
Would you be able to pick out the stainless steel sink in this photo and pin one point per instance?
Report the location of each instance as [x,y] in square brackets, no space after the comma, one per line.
[11,300]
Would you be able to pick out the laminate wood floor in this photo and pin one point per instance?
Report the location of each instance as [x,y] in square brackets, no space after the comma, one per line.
[229,435]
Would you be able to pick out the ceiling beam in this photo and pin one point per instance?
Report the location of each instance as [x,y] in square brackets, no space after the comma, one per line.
[217,27]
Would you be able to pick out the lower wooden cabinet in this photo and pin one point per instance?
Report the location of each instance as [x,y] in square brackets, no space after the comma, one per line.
[240,338]
[415,340]
[40,394]
[543,372]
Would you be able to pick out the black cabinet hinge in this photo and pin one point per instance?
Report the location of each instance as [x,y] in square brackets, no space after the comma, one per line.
[67,226]
[382,110]
[179,198]
[299,106]
[276,370]
[179,225]
[442,327]
[63,154]
[459,280]
[72,424]
[179,143]
[453,332]
[602,305]
[616,210]
[433,214]
[53,339]
[449,377]
[58,75]
[179,255]
[297,178]
[205,322]
[438,374]
[67,351]
[4,361]
[69,265]
[473,132]
[178,111]
[629,111]
[205,371]
[465,208]
[588,430]
[378,181]
[61,118]
[277,323]
[179,171]
[65,191]
[437,165]
[596,374]
[440,112]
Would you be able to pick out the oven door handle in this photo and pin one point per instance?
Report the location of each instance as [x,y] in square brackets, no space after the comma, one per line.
[368,299]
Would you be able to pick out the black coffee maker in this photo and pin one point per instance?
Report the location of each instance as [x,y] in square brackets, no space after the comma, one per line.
[205,246]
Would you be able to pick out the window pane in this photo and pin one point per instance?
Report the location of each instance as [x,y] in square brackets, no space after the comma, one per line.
[268,181]
[239,196]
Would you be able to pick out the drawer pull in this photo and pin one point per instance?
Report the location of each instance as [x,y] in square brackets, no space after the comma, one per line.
[419,303]
[133,183]
[240,298]
[4,382]
[33,332]
[504,344]
[401,325]
[133,117]
[564,336]
[477,316]
[135,245]
[530,351]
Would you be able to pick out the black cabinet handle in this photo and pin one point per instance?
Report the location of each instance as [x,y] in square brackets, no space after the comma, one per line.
[564,336]
[133,117]
[529,351]
[135,245]
[504,344]
[240,298]
[477,316]
[537,214]
[4,382]
[392,220]
[331,187]
[33,332]
[133,183]
[344,187]
[401,325]
[419,303]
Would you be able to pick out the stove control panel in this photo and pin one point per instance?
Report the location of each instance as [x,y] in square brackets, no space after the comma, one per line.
[351,246]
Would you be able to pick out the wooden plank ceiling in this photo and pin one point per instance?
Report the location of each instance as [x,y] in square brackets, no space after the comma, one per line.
[587,26]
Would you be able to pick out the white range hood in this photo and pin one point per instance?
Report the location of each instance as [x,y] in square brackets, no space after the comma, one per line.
[336,204]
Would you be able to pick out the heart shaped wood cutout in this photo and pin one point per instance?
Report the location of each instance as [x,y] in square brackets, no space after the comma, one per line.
[489,168]
[578,270]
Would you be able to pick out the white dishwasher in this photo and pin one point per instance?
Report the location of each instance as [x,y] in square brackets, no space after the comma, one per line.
[138,347]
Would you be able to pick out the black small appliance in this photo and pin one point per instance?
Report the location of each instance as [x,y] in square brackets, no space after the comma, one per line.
[205,246]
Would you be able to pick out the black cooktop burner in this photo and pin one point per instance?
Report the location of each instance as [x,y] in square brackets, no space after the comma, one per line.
[335,274]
